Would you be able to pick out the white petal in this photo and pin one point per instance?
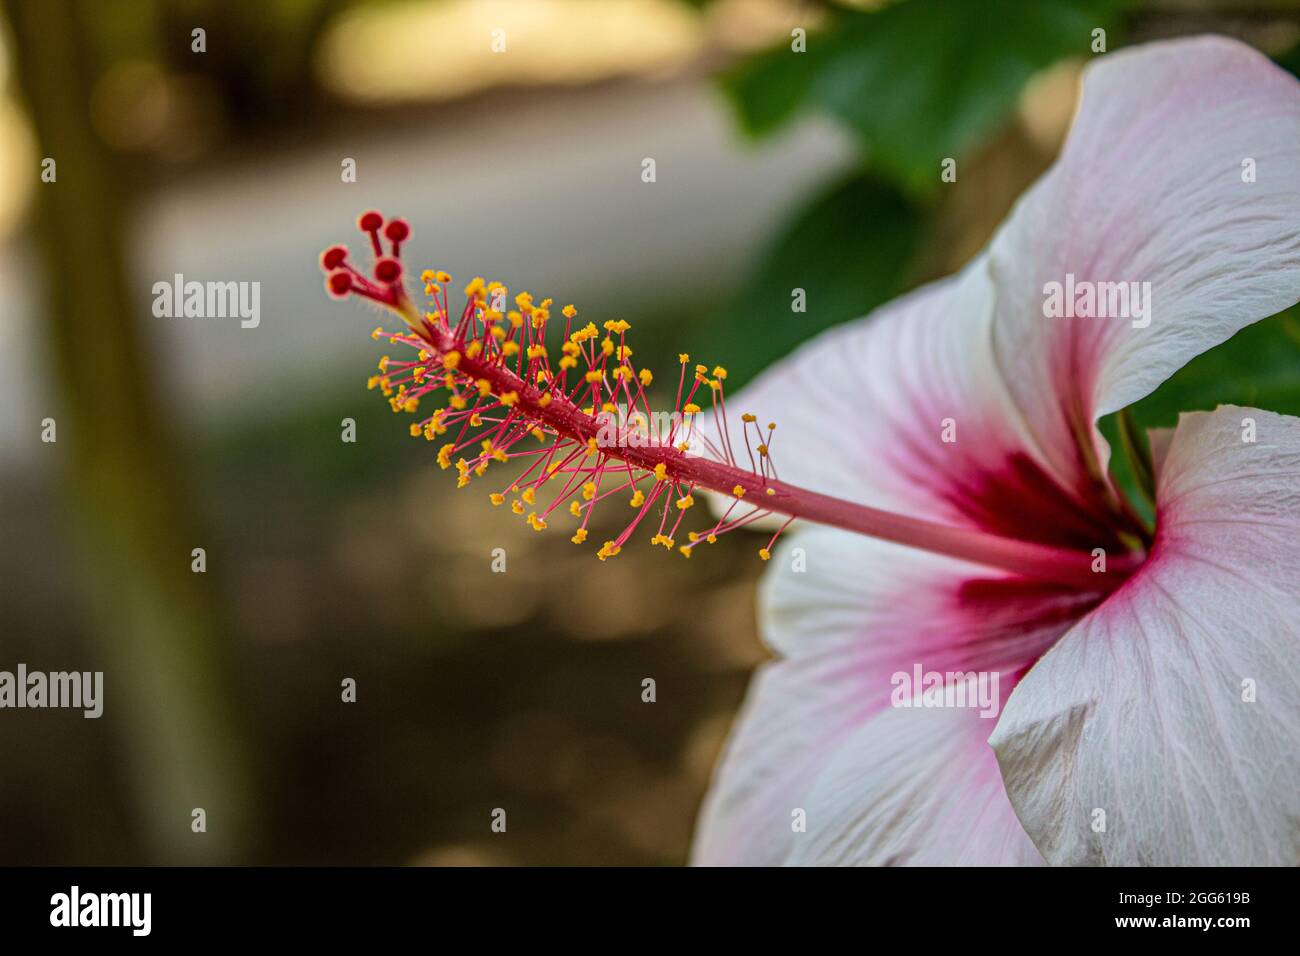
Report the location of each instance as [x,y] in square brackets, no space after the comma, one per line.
[1149,188]
[858,612]
[1139,712]
[916,787]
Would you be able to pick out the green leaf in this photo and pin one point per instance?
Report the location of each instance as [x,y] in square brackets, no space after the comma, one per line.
[1290,60]
[1259,367]
[769,88]
[849,252]
[919,81]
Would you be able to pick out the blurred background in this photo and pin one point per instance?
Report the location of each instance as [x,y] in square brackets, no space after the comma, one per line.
[796,145]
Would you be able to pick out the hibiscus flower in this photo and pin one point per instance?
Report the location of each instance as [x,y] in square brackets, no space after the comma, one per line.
[1153,722]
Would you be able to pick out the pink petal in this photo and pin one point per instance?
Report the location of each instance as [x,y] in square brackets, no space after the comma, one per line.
[1149,188]
[1139,710]
[862,611]
[906,410]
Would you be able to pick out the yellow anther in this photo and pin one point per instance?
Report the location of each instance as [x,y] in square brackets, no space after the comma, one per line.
[690,408]
[683,357]
[589,490]
[738,491]
[451,360]
[712,539]
[594,376]
[475,287]
[509,398]
[765,554]
[646,377]
[536,351]
[579,536]
[638,499]
[444,456]
[544,400]
[575,509]
[593,448]
[569,311]
[510,349]
[474,349]
[517,506]
[608,550]
[496,498]
[661,471]
[748,418]
[383,363]
[761,449]
[537,523]
[415,430]
[771,491]
[719,372]
[379,330]
[476,419]
[686,502]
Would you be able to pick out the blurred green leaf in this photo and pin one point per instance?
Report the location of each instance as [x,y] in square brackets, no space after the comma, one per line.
[1290,60]
[849,251]
[920,80]
[767,89]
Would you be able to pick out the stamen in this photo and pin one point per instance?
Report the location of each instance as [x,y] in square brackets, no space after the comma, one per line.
[503,391]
